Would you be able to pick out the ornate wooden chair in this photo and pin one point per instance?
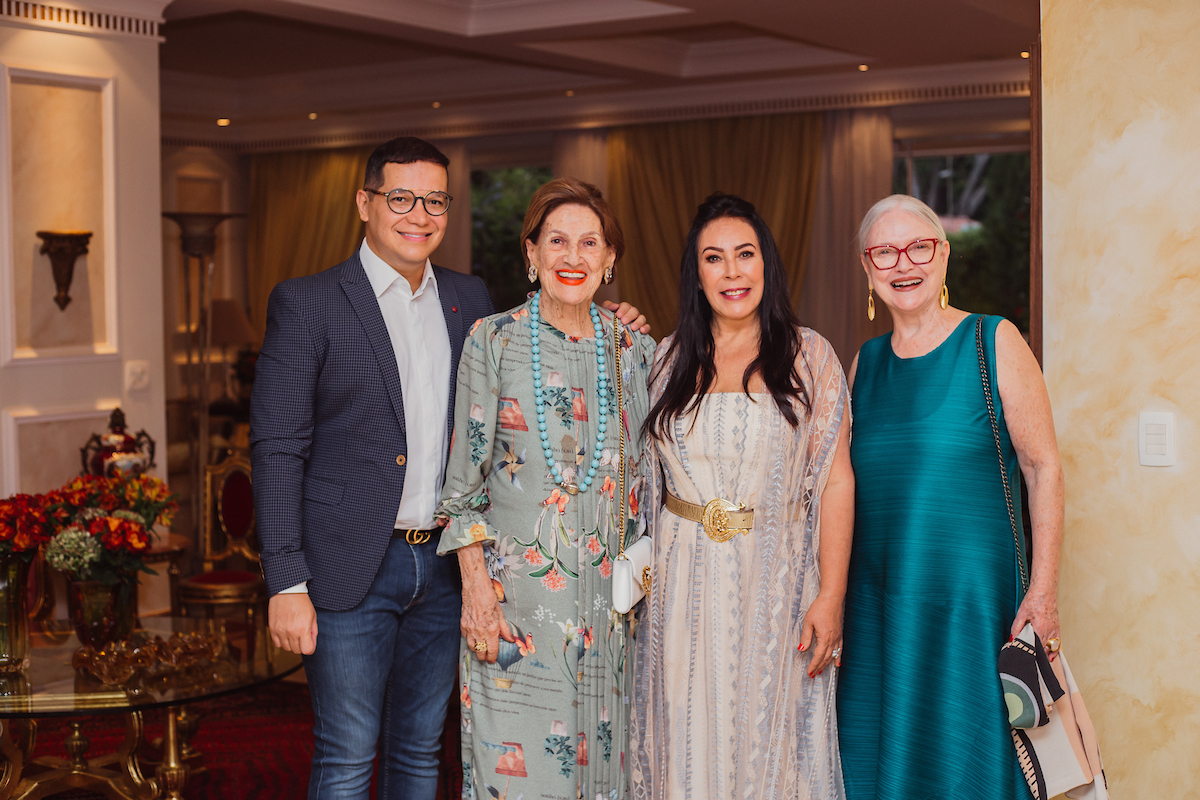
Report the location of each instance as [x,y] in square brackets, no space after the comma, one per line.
[228,539]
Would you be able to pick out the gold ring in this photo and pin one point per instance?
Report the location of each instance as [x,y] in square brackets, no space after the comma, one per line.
[481,647]
[1053,644]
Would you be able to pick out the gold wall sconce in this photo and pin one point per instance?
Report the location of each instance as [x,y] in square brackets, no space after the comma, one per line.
[64,247]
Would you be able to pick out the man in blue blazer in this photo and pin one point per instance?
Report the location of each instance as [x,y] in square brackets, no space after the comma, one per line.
[350,430]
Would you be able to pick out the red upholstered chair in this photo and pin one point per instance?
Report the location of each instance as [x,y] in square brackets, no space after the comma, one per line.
[228,540]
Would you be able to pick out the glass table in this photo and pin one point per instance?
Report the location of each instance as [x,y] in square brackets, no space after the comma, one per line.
[52,687]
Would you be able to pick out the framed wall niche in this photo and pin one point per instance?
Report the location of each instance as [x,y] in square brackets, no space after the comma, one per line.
[57,156]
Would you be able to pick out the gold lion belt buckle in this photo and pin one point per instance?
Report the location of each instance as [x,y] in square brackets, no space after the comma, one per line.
[722,519]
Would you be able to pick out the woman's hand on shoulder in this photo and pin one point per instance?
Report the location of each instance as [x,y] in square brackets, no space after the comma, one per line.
[821,632]
[629,316]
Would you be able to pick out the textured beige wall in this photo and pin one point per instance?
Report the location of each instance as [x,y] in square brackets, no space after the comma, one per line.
[1122,288]
[58,184]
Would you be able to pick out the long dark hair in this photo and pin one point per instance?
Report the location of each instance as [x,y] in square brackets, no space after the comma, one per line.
[693,369]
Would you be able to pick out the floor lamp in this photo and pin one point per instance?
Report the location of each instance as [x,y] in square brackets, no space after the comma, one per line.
[199,242]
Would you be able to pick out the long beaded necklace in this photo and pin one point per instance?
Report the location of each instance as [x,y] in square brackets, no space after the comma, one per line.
[601,392]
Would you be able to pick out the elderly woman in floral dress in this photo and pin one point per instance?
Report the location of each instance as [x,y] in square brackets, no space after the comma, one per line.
[532,510]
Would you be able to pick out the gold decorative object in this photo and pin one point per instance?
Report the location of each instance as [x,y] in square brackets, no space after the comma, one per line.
[64,247]
[187,658]
[716,520]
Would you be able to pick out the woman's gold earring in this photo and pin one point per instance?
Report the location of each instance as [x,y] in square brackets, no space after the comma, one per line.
[532,273]
[608,274]
[871,303]
[944,302]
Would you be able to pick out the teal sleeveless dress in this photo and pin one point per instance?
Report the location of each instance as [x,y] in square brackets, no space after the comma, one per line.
[933,584]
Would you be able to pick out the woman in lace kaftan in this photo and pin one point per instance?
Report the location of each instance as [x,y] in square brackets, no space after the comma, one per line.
[544,670]
[738,639]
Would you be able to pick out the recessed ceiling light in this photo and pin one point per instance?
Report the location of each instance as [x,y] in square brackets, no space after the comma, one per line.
[863,67]
[312,115]
[570,92]
[436,104]
[222,122]
[1024,54]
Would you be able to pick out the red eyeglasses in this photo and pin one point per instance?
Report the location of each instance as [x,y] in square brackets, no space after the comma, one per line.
[887,256]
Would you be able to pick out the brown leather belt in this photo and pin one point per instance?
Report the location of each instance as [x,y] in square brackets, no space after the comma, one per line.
[414,536]
[722,520]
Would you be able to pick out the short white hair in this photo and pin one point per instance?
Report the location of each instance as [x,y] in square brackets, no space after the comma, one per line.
[899,202]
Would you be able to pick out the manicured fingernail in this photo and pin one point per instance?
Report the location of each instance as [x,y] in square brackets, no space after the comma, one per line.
[810,674]
[820,672]
[802,646]
[1010,637]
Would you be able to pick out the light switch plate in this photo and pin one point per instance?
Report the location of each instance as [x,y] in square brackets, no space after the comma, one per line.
[137,376]
[1156,439]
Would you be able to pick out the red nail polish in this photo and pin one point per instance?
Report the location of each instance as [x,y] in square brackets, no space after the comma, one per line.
[802,646]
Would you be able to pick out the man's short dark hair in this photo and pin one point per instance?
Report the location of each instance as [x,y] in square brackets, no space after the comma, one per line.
[401,150]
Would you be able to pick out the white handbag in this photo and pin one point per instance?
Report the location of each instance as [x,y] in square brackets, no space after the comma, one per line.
[631,574]
[632,567]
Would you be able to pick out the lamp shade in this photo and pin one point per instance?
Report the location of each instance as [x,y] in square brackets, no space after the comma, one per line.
[230,326]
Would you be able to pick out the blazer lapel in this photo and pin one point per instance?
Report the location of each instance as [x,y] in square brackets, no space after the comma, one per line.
[451,310]
[362,299]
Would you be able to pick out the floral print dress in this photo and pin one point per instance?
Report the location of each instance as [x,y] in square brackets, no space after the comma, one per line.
[549,718]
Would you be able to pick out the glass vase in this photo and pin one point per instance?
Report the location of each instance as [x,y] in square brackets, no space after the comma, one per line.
[100,613]
[14,620]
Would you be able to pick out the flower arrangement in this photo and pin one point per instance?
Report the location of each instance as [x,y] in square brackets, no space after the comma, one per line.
[25,525]
[105,525]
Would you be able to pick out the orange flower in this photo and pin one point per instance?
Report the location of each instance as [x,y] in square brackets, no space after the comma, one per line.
[554,581]
[558,498]
[606,568]
[608,486]
[533,557]
[593,545]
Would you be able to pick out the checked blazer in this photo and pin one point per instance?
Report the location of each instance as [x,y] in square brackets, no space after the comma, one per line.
[327,428]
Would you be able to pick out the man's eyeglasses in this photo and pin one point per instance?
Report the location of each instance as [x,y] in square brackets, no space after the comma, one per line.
[402,201]
[887,256]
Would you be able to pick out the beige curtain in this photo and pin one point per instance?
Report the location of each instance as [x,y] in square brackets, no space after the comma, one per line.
[302,217]
[658,174]
[856,171]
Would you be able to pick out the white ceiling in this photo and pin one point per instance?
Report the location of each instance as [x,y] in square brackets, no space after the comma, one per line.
[464,67]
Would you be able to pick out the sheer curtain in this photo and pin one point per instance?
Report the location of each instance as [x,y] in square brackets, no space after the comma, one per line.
[856,171]
[302,217]
[658,174]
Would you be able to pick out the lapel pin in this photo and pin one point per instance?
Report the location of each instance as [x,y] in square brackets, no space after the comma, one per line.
[454,309]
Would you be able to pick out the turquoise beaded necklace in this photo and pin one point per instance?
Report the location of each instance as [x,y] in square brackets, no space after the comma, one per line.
[601,393]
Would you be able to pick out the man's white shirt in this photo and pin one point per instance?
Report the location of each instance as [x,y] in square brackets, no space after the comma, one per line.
[416,326]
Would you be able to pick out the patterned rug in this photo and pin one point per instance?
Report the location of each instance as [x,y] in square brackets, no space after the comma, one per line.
[256,745]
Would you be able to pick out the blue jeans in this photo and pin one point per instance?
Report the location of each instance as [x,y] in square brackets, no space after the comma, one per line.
[382,673]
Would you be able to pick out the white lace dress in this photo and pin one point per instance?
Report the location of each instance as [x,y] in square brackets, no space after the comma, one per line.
[723,705]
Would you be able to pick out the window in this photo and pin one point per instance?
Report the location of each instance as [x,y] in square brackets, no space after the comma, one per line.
[499,199]
[983,200]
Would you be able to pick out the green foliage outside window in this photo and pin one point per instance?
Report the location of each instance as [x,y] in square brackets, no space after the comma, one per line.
[989,264]
[499,199]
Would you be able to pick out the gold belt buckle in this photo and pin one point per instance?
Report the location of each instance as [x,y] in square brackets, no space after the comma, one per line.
[414,536]
[716,519]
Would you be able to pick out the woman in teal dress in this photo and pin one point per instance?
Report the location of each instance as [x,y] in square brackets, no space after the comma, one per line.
[532,512]
[934,583]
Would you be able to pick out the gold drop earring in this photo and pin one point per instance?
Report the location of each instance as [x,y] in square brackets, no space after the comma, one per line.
[944,301]
[532,273]
[608,274]
[871,303]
